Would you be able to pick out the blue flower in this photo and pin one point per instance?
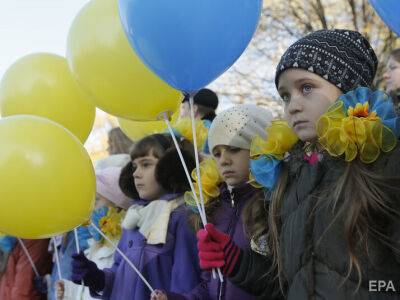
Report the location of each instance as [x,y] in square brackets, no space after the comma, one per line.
[265,170]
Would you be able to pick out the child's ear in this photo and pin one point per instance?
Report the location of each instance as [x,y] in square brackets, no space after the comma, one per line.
[127,183]
[170,173]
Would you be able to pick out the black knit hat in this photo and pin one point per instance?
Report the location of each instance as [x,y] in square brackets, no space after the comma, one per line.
[343,57]
[205,97]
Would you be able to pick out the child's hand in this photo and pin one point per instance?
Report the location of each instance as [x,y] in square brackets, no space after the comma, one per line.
[60,289]
[158,295]
[85,270]
[217,250]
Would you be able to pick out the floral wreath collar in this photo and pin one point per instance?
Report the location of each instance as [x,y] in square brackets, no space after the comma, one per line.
[361,123]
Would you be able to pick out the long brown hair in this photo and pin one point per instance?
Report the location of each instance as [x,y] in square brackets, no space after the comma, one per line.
[366,218]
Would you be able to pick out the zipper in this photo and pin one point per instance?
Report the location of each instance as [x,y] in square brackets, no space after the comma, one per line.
[230,229]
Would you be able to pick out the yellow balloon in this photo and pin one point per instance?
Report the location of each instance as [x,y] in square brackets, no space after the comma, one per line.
[101,58]
[41,84]
[137,130]
[47,179]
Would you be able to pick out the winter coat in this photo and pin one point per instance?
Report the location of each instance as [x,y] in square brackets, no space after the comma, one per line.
[171,266]
[228,219]
[313,248]
[17,280]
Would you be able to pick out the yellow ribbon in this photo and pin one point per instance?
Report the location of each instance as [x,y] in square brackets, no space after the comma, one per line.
[210,180]
[184,127]
[280,139]
[360,132]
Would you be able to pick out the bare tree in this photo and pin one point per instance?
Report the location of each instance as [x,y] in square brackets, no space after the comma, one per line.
[251,79]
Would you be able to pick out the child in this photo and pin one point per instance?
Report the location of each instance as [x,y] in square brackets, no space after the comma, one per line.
[66,247]
[333,221]
[392,78]
[239,210]
[111,204]
[18,279]
[155,237]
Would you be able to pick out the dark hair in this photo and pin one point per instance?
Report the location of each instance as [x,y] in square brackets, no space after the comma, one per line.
[155,144]
[169,171]
[206,112]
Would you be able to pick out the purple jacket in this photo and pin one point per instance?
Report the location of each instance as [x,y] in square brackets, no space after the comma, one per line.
[171,266]
[227,218]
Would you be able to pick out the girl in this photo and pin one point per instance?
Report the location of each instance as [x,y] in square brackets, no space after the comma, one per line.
[239,210]
[66,247]
[155,233]
[333,221]
[392,77]
[18,280]
[110,207]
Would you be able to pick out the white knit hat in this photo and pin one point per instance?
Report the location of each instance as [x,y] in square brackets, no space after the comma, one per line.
[237,126]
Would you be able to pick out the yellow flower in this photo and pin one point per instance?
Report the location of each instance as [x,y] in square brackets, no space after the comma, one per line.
[359,133]
[184,128]
[110,224]
[362,111]
[210,181]
[280,139]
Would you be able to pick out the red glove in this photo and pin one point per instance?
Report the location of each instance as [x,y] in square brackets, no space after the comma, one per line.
[217,250]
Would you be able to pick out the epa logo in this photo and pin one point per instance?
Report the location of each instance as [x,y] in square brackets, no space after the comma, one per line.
[381,286]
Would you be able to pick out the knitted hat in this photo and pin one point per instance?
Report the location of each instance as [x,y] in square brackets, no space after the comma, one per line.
[237,126]
[107,186]
[343,57]
[205,97]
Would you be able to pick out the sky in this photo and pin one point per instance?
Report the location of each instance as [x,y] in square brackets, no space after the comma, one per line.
[31,26]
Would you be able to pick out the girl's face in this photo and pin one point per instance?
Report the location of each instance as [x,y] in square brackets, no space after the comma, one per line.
[392,75]
[306,97]
[233,164]
[145,179]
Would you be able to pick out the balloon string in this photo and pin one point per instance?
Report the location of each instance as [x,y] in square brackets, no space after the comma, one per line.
[57,258]
[186,170]
[76,240]
[199,183]
[29,257]
[124,257]
[196,154]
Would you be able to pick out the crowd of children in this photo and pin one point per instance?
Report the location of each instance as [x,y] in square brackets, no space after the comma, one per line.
[302,208]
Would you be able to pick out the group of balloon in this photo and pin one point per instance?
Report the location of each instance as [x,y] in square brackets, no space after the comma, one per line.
[131,58]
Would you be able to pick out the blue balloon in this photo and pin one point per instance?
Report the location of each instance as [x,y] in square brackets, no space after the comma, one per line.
[389,11]
[189,43]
